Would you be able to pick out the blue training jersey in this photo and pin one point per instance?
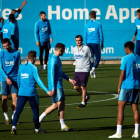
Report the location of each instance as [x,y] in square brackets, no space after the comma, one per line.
[28,75]
[1,25]
[16,25]
[43,31]
[55,73]
[137,21]
[93,33]
[9,63]
[131,65]
[8,30]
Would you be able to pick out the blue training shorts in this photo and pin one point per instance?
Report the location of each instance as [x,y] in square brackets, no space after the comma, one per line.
[58,96]
[129,95]
[6,89]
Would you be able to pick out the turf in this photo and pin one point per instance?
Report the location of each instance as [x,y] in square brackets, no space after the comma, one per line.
[95,122]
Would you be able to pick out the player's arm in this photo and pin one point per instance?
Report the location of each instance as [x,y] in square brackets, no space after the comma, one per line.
[101,36]
[20,8]
[120,80]
[3,73]
[50,32]
[68,79]
[51,73]
[122,68]
[13,36]
[135,36]
[18,78]
[37,33]
[19,60]
[39,81]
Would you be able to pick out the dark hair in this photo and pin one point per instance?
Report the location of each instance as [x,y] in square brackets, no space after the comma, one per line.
[59,46]
[138,11]
[42,12]
[79,36]
[92,14]
[31,55]
[129,45]
[11,17]
[5,40]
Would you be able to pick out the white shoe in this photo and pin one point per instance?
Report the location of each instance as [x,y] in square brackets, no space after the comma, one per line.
[135,136]
[115,136]
[92,73]
[45,67]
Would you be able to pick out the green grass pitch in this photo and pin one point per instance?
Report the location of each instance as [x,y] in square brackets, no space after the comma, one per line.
[94,122]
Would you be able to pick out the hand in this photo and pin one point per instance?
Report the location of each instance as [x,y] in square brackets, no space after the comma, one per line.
[9,82]
[37,43]
[119,91]
[51,40]
[102,46]
[72,81]
[50,93]
[134,39]
[24,2]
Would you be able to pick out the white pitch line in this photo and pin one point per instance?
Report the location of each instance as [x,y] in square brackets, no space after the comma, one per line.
[115,97]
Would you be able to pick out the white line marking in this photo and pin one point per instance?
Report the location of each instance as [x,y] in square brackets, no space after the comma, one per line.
[115,97]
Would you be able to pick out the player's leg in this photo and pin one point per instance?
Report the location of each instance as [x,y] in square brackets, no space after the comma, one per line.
[83,78]
[61,107]
[120,117]
[97,52]
[41,50]
[47,47]
[135,109]
[35,109]
[20,104]
[14,91]
[136,119]
[47,111]
[4,92]
[138,47]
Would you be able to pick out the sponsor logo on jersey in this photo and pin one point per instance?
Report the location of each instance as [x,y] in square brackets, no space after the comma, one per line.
[91,29]
[9,63]
[138,26]
[5,31]
[24,75]
[78,56]
[44,29]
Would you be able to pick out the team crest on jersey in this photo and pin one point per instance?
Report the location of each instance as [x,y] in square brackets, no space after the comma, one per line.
[83,51]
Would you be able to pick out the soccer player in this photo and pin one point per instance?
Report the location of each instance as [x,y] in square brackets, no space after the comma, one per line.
[128,88]
[27,77]
[137,33]
[8,31]
[16,14]
[43,37]
[84,59]
[93,36]
[55,76]
[9,62]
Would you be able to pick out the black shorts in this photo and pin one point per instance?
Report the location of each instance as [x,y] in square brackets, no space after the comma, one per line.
[81,78]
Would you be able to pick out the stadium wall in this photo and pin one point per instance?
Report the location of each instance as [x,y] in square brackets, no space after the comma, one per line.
[68,19]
